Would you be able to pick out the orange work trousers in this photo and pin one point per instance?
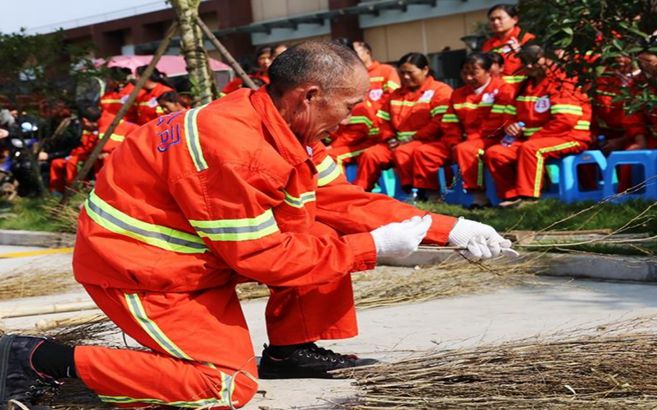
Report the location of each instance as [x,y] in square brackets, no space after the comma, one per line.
[379,157]
[518,169]
[63,172]
[201,353]
[427,158]
[469,155]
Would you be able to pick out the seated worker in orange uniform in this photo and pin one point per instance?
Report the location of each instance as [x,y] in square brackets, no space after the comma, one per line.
[507,39]
[361,130]
[647,138]
[556,117]
[163,242]
[467,118]
[118,90]
[171,102]
[411,117]
[115,139]
[147,106]
[263,61]
[64,170]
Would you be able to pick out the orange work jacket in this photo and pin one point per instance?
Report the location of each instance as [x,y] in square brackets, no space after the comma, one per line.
[147,107]
[468,116]
[553,107]
[184,205]
[505,47]
[415,114]
[119,134]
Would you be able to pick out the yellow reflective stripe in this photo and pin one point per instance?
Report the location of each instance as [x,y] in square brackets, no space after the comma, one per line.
[159,236]
[485,104]
[233,230]
[510,109]
[373,131]
[110,101]
[390,85]
[480,167]
[139,313]
[299,202]
[202,403]
[376,79]
[498,109]
[384,115]
[540,160]
[405,135]
[327,172]
[527,98]
[528,132]
[450,118]
[404,103]
[467,105]
[116,137]
[438,109]
[193,141]
[566,109]
[360,119]
[341,158]
[583,125]
[514,79]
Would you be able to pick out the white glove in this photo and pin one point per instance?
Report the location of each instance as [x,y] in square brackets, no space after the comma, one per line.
[400,239]
[479,240]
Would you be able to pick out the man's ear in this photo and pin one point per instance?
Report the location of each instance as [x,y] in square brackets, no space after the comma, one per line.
[312,92]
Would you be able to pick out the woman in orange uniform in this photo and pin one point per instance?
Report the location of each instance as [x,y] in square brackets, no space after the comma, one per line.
[549,118]
[410,118]
[467,117]
[507,39]
[147,106]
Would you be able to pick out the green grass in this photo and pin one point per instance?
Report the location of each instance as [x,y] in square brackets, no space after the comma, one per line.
[553,215]
[539,215]
[36,214]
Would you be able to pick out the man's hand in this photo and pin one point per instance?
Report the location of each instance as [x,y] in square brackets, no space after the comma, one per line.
[400,239]
[479,240]
[43,156]
[514,130]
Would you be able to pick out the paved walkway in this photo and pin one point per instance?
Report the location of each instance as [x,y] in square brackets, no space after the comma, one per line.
[398,331]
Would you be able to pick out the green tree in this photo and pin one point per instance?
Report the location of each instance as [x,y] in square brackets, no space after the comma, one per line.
[593,30]
[42,67]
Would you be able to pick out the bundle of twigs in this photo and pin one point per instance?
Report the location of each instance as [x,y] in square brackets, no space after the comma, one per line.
[387,285]
[36,283]
[610,369]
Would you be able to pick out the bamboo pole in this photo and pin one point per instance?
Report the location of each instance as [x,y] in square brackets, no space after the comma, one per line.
[226,55]
[122,112]
[24,311]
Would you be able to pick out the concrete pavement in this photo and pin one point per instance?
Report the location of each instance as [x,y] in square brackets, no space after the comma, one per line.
[394,332]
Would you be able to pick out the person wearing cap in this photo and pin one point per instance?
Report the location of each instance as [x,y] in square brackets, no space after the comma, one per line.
[549,118]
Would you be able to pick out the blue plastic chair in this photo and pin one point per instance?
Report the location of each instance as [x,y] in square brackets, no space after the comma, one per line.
[565,184]
[452,191]
[645,159]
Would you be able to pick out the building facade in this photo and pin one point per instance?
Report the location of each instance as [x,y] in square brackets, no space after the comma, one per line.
[391,27]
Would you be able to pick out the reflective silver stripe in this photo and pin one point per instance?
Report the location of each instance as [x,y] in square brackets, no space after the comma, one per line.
[193,141]
[160,236]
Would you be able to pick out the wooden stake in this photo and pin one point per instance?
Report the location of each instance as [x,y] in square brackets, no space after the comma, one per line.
[226,55]
[122,112]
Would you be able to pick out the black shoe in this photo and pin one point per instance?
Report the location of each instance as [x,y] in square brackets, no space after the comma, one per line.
[18,379]
[308,362]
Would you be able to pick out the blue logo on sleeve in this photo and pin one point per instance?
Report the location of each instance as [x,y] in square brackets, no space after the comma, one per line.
[170,133]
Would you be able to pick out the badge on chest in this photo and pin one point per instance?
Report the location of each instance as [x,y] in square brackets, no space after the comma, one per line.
[542,104]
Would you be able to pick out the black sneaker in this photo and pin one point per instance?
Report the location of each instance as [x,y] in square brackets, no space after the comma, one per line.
[308,362]
[18,379]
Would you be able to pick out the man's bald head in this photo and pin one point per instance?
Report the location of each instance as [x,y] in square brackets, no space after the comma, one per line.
[315,86]
[323,63]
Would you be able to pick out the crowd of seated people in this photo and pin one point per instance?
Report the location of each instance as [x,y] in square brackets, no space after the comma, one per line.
[517,110]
